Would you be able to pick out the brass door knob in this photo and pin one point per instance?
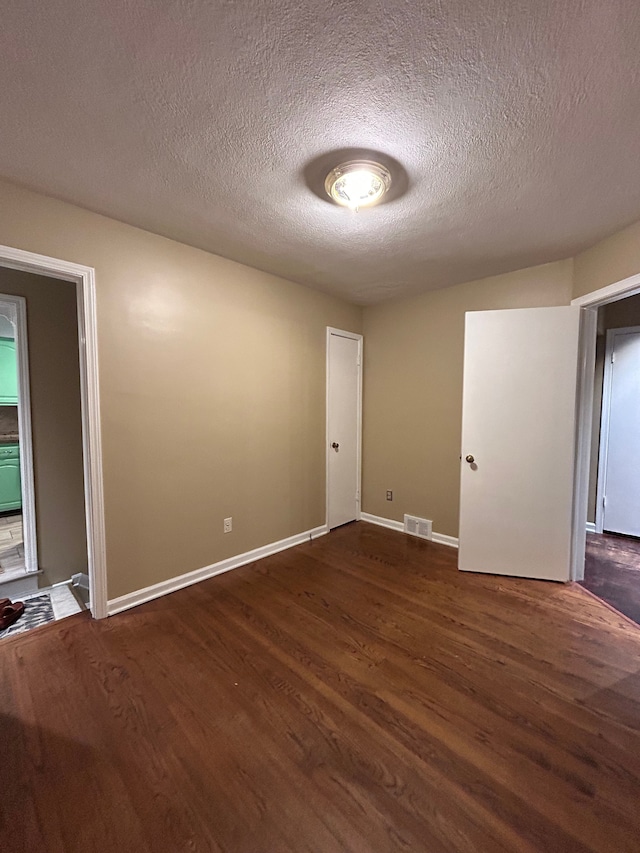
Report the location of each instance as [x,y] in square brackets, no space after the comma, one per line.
[469,459]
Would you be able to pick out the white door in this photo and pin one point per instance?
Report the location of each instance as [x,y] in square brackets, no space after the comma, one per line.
[344,407]
[518,441]
[620,434]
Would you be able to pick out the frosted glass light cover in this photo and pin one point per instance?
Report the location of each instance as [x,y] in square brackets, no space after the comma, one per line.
[360,183]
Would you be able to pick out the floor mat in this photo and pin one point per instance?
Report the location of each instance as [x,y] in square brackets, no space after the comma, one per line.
[38,610]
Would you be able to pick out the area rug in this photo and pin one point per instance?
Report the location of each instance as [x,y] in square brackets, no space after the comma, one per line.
[37,611]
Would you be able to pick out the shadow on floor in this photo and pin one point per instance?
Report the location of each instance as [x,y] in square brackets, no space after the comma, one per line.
[30,753]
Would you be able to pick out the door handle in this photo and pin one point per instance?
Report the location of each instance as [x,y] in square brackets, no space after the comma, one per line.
[470,459]
[335,445]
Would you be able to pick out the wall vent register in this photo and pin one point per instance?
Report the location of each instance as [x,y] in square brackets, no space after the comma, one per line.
[421,527]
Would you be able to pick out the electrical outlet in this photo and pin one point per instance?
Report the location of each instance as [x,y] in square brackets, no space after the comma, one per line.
[228,525]
[389,495]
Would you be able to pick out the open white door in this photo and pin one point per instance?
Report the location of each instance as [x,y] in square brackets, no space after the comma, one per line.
[344,411]
[518,441]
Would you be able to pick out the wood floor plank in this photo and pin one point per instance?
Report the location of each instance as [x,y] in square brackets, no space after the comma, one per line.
[451,679]
[470,752]
[356,694]
[333,719]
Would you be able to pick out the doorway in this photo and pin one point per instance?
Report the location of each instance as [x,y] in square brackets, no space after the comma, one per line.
[344,426]
[44,399]
[18,542]
[569,423]
[612,564]
[618,468]
[83,288]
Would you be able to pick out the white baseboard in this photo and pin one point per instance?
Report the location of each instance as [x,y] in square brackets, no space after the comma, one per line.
[440,538]
[591,527]
[443,539]
[132,599]
[382,522]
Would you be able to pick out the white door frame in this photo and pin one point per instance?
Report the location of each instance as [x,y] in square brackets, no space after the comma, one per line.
[604,421]
[16,313]
[355,337]
[84,279]
[590,303]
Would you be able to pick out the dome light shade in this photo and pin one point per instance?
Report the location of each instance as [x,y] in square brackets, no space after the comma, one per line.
[358,183]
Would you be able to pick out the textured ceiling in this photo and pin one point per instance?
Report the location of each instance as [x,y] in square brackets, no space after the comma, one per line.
[515,123]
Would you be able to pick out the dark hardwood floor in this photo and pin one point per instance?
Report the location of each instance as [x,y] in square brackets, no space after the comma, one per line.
[356,694]
[612,571]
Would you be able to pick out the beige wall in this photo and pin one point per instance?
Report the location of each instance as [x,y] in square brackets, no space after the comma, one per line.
[413,389]
[617,315]
[212,391]
[610,260]
[213,384]
[54,378]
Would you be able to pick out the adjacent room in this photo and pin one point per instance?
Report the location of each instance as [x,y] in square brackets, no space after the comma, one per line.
[43,547]
[612,569]
[311,314]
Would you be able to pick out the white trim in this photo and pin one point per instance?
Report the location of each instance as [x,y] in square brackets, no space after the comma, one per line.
[18,306]
[391,524]
[84,279]
[603,447]
[611,293]
[584,418]
[590,527]
[443,539]
[92,443]
[156,590]
[355,337]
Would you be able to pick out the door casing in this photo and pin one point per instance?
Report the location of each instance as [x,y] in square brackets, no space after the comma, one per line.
[84,279]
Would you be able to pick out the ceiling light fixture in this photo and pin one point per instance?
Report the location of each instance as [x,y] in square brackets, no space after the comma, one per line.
[358,183]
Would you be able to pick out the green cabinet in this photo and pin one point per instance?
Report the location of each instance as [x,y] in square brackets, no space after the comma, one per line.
[8,373]
[10,486]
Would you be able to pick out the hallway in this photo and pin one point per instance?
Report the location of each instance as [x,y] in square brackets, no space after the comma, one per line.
[612,571]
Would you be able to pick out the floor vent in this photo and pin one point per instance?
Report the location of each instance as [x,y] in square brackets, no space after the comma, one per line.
[421,527]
